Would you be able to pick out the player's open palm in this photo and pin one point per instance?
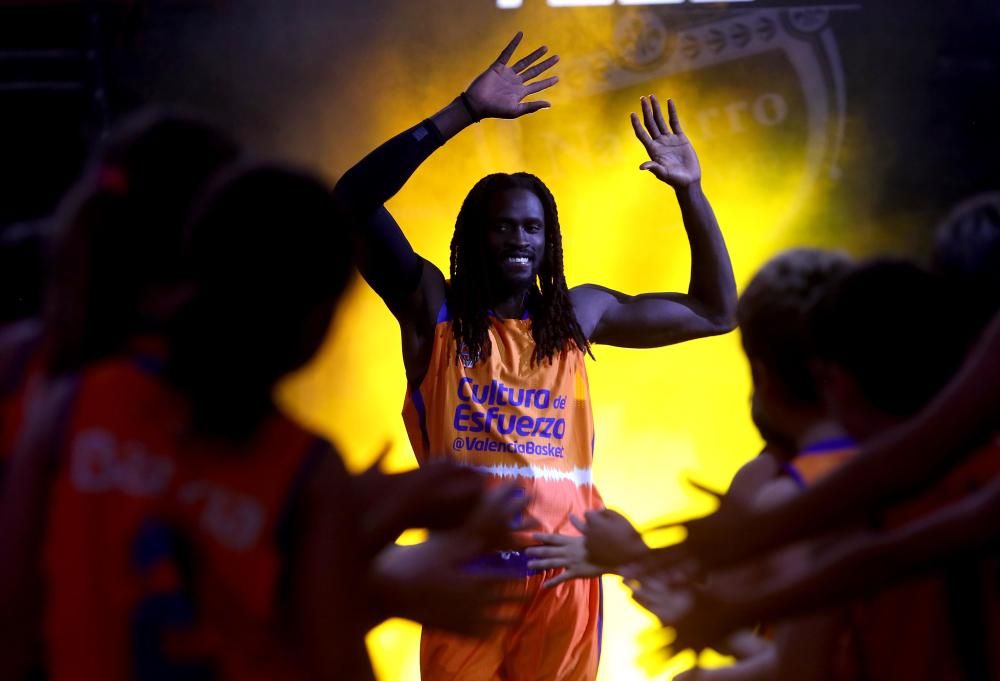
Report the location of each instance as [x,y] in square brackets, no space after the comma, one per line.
[671,156]
[499,91]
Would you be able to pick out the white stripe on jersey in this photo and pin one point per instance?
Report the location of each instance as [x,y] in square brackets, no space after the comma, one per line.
[578,476]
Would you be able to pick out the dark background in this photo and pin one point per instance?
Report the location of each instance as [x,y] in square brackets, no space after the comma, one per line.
[294,78]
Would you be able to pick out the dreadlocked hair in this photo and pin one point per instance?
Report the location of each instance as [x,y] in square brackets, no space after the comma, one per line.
[554,324]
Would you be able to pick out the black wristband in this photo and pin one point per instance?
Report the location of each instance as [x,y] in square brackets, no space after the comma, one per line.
[434,130]
[467,103]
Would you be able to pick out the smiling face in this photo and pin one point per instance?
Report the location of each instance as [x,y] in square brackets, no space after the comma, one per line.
[515,238]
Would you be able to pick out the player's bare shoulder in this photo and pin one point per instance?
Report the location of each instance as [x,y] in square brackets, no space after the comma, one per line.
[590,302]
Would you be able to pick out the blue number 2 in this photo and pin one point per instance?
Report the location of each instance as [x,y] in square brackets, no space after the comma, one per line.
[162,611]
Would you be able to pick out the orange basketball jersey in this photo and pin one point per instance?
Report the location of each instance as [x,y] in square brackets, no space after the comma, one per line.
[509,418]
[163,555]
[951,619]
[816,462]
[953,616]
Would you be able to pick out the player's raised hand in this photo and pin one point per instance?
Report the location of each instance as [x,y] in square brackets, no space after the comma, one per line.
[671,156]
[499,91]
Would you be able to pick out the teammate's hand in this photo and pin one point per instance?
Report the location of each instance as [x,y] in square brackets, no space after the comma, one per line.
[563,551]
[490,525]
[499,91]
[427,583]
[671,156]
[436,496]
[611,540]
[662,598]
[699,617]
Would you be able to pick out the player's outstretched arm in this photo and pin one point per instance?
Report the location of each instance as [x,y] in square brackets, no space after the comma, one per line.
[655,319]
[962,530]
[887,468]
[607,542]
[857,565]
[413,288]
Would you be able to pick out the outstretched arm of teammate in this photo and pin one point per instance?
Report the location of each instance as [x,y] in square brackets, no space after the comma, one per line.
[887,468]
[607,541]
[655,319]
[859,564]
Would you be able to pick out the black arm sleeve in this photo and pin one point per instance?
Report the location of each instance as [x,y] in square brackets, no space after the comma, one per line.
[387,261]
